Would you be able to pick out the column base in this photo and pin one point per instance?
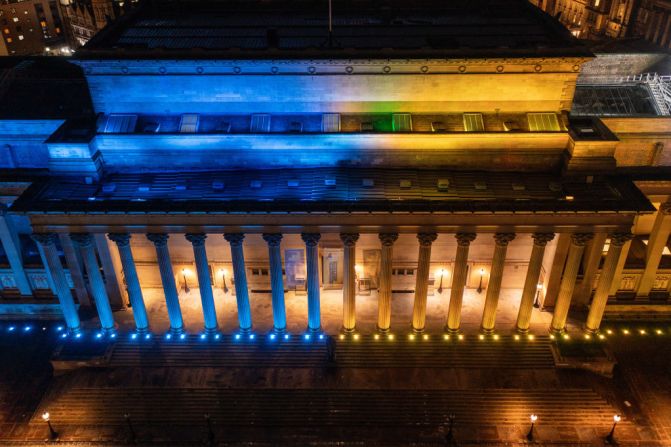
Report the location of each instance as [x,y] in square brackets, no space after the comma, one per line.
[522,331]
[74,330]
[590,331]
[381,330]
[109,330]
[557,332]
[314,330]
[486,331]
[345,330]
[176,330]
[451,331]
[244,330]
[417,330]
[142,330]
[211,330]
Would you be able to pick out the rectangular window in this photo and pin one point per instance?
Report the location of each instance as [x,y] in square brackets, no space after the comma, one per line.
[330,122]
[117,123]
[401,122]
[543,122]
[473,122]
[260,123]
[189,123]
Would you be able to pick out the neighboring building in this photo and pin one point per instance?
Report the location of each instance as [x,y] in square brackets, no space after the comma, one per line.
[84,18]
[32,27]
[421,153]
[613,19]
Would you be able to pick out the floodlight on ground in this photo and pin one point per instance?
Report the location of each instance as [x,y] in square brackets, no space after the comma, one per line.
[286,336]
[356,336]
[252,336]
[306,337]
[27,328]
[321,336]
[460,336]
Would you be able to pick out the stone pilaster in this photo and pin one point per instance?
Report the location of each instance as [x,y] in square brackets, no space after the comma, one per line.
[422,280]
[122,241]
[349,281]
[659,236]
[48,243]
[204,280]
[458,281]
[277,283]
[160,241]
[563,304]
[84,242]
[384,290]
[531,281]
[240,273]
[312,266]
[495,277]
[617,240]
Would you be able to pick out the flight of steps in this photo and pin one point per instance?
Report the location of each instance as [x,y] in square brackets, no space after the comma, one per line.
[328,407]
[366,352]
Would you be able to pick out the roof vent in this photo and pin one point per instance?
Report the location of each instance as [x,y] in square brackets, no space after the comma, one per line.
[293,183]
[255,184]
[143,187]
[217,185]
[554,186]
[480,185]
[405,184]
[518,187]
[443,184]
[368,183]
[109,187]
[180,186]
[330,181]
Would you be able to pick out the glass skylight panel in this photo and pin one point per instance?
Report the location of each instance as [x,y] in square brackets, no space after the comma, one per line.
[331,122]
[189,123]
[260,123]
[543,122]
[119,123]
[473,122]
[402,122]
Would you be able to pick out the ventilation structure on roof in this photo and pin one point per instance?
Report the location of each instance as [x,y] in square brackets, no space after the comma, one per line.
[443,184]
[368,183]
[260,123]
[473,122]
[401,122]
[543,122]
[330,181]
[189,123]
[331,122]
[405,184]
[117,123]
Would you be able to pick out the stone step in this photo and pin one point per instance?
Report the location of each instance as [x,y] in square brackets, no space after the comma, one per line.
[365,352]
[325,407]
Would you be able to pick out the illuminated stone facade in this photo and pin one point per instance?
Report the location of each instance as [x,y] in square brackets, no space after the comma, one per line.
[410,178]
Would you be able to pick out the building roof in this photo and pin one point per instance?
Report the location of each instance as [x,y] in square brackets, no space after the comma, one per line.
[256,29]
[332,190]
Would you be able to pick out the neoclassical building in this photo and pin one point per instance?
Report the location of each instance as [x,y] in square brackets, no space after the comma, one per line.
[388,169]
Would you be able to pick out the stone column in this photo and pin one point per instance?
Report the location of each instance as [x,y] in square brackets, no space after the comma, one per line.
[422,280]
[204,280]
[596,309]
[531,282]
[11,244]
[575,252]
[495,277]
[62,289]
[384,289]
[458,281]
[312,260]
[84,242]
[277,283]
[656,243]
[160,241]
[240,278]
[349,281]
[122,241]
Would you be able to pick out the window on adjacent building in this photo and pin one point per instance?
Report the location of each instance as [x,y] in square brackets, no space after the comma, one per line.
[539,122]
[331,122]
[189,123]
[473,122]
[118,123]
[260,123]
[401,122]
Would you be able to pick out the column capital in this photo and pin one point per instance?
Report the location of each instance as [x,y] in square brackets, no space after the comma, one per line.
[504,238]
[426,239]
[581,239]
[197,239]
[311,239]
[235,239]
[619,239]
[82,239]
[273,239]
[121,239]
[465,239]
[349,239]
[44,238]
[159,239]
[388,239]
[665,208]
[541,239]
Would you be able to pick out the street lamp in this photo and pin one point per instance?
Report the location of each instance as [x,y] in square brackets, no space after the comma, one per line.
[610,439]
[441,273]
[482,273]
[53,434]
[530,435]
[131,431]
[186,285]
[223,278]
[537,303]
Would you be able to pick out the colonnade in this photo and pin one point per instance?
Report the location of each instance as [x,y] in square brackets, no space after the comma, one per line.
[349,240]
